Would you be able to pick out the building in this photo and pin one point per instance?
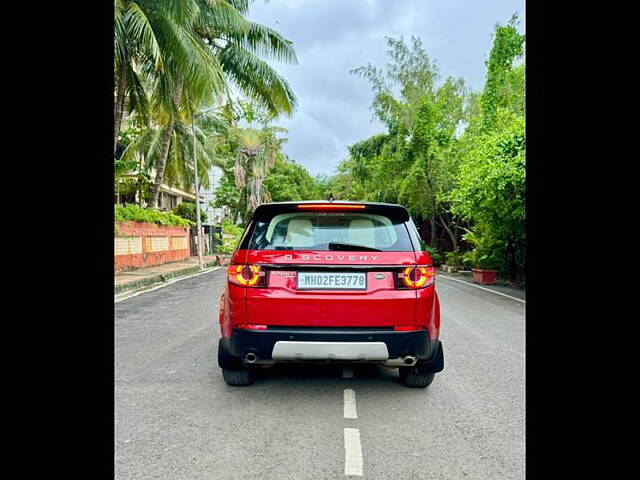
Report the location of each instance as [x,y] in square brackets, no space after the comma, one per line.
[214,215]
[168,197]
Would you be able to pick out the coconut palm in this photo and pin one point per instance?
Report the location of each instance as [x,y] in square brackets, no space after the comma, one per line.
[179,168]
[186,50]
[156,39]
[256,153]
[239,44]
[154,42]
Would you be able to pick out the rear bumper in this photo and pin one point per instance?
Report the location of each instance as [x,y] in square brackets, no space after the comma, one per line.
[331,344]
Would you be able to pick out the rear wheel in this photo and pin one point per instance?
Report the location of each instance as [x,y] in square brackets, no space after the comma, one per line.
[238,378]
[410,377]
[226,360]
[234,372]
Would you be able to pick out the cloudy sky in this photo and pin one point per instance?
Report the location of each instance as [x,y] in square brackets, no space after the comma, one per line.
[332,37]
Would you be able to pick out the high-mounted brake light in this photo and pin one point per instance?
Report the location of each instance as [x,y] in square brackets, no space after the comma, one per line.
[416,277]
[247,275]
[331,206]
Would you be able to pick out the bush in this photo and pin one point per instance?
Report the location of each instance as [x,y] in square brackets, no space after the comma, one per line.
[187,210]
[134,213]
[453,258]
[433,253]
[487,252]
[230,236]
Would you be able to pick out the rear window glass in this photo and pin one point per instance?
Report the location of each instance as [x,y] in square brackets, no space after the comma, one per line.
[330,231]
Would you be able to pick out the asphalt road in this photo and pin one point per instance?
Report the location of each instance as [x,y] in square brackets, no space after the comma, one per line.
[177,419]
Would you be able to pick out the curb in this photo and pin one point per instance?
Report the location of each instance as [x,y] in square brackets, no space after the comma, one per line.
[460,278]
[161,278]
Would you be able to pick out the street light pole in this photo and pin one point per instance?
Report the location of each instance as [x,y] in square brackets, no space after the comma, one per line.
[195,167]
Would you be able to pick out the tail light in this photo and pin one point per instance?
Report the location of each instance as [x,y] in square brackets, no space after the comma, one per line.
[331,206]
[416,277]
[247,275]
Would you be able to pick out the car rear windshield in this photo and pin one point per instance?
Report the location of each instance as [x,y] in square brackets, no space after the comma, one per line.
[330,231]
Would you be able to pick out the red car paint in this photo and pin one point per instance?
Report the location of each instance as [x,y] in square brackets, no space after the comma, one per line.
[380,305]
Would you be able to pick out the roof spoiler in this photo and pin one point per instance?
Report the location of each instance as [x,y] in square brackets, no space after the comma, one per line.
[269,210]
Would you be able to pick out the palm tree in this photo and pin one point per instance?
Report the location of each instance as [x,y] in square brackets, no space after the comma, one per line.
[256,151]
[184,49]
[239,44]
[179,168]
[155,42]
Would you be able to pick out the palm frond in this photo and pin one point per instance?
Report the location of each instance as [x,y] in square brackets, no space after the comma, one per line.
[265,42]
[258,80]
[191,58]
[219,17]
[135,91]
[139,29]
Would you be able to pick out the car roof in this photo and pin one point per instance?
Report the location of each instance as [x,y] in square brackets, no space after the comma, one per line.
[390,209]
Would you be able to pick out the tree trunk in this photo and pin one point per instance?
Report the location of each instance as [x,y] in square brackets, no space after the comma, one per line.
[434,237]
[454,241]
[164,150]
[119,106]
[162,162]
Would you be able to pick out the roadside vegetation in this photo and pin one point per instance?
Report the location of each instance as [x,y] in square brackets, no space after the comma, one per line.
[134,213]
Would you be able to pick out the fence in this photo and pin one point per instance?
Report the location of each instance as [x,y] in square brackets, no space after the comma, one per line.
[143,245]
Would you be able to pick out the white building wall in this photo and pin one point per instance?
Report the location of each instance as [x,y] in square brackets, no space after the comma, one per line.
[214,215]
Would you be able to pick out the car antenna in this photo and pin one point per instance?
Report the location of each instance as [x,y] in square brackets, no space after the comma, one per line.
[330,198]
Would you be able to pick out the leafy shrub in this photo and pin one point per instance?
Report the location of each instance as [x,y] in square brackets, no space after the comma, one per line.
[134,213]
[453,258]
[188,210]
[433,253]
[486,252]
[230,236]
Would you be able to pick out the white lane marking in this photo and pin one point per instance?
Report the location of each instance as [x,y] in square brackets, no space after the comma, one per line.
[171,281]
[347,372]
[483,288]
[352,452]
[350,404]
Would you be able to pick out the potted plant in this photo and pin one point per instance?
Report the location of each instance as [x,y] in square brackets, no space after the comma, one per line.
[481,258]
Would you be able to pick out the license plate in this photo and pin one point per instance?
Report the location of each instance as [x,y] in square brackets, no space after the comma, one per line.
[331,281]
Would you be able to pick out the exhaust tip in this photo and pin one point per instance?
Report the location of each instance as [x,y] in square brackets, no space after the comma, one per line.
[250,357]
[409,360]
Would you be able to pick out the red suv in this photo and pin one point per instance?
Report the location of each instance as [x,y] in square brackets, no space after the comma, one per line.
[327,281]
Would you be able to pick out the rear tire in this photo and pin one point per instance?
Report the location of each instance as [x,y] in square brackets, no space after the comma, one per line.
[238,378]
[234,372]
[410,377]
[226,360]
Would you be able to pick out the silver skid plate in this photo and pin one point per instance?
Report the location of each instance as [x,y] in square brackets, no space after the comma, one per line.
[284,350]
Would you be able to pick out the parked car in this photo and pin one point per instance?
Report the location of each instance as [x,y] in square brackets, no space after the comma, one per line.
[330,281]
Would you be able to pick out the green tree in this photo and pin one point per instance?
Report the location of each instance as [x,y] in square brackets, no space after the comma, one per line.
[145,149]
[156,48]
[183,52]
[187,210]
[489,191]
[504,86]
[415,161]
[288,181]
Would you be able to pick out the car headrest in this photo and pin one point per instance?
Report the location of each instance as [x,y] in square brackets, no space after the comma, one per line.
[361,232]
[299,233]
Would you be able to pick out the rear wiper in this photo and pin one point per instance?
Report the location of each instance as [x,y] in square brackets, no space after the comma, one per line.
[349,246]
